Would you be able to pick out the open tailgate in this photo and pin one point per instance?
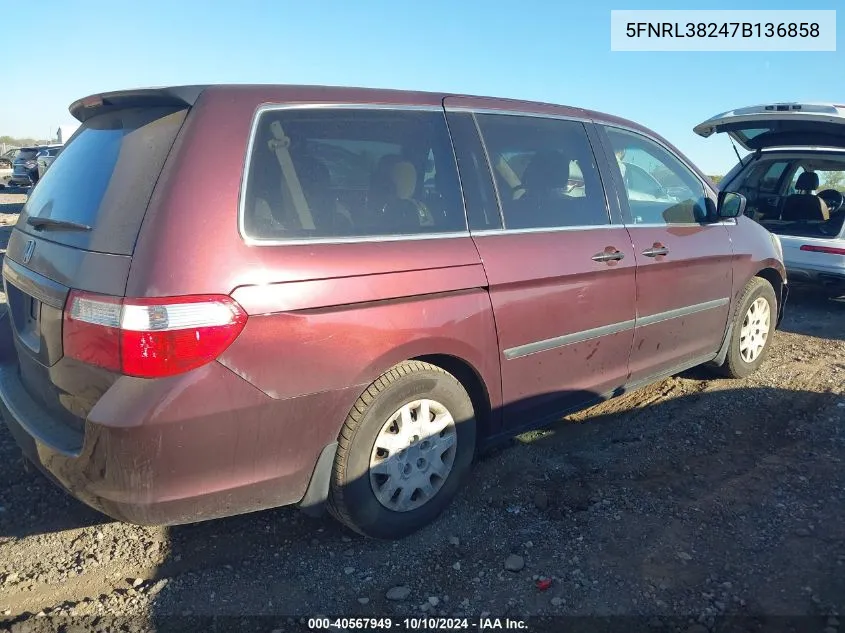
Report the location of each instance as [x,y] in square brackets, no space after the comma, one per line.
[780,125]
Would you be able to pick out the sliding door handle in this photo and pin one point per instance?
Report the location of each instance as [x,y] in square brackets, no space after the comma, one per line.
[656,251]
[608,256]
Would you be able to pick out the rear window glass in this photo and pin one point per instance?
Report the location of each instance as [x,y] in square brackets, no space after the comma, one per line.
[27,153]
[345,173]
[762,177]
[104,179]
[769,182]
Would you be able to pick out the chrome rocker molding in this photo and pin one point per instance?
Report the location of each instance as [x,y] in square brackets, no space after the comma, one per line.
[680,312]
[568,339]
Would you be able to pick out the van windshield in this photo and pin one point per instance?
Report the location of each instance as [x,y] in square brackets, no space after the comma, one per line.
[104,179]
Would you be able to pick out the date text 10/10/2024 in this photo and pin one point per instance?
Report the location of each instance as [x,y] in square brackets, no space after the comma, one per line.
[417,624]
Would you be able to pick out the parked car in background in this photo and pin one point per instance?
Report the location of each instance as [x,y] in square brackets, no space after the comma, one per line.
[794,181]
[369,293]
[25,165]
[7,157]
[45,158]
[5,173]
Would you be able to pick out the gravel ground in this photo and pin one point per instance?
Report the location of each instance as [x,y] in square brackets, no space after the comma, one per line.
[690,499]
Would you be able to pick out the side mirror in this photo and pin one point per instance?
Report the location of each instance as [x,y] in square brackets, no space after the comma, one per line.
[730,205]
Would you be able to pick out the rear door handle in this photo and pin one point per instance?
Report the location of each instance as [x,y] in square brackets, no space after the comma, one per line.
[608,256]
[656,251]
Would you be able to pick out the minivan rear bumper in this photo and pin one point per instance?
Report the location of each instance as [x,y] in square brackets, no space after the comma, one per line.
[199,446]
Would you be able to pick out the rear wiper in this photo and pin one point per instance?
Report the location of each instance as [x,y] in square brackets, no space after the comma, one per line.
[52,223]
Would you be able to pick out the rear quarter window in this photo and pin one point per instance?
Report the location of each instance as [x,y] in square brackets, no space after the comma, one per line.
[333,174]
[104,179]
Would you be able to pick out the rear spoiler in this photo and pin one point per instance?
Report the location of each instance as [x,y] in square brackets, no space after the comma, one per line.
[184,96]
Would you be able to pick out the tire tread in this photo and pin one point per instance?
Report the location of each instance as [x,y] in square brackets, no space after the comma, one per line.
[337,505]
[728,368]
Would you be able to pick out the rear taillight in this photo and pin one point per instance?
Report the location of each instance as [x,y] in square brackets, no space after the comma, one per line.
[150,338]
[823,249]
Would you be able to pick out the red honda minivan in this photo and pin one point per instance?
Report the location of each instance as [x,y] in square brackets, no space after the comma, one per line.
[229,298]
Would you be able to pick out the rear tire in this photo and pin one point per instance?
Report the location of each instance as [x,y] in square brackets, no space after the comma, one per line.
[753,328]
[395,472]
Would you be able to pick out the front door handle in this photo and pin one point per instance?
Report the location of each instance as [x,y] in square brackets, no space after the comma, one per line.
[608,256]
[656,251]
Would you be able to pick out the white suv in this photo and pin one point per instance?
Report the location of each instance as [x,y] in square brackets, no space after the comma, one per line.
[794,180]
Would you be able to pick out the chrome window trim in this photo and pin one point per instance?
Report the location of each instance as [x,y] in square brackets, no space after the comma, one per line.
[553,229]
[273,107]
[658,225]
[307,241]
[589,227]
[540,115]
[327,105]
[545,345]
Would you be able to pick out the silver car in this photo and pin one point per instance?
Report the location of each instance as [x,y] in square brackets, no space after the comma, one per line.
[45,158]
[794,180]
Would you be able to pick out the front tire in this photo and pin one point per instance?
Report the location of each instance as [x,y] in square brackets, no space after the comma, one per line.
[403,451]
[753,329]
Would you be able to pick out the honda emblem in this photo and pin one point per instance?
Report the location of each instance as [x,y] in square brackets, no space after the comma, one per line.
[28,250]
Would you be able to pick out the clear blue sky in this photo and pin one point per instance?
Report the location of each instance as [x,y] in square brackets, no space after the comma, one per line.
[549,50]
